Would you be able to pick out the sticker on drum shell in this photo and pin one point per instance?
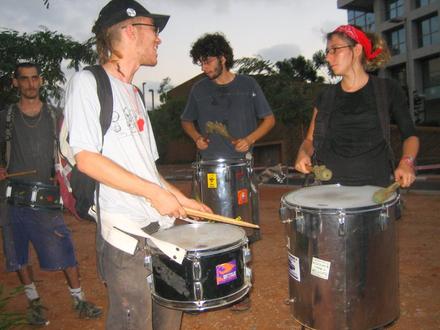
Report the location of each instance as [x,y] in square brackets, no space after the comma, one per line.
[212,180]
[242,196]
[320,268]
[294,269]
[226,272]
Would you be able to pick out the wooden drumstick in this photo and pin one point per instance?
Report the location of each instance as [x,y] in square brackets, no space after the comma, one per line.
[383,194]
[219,218]
[20,173]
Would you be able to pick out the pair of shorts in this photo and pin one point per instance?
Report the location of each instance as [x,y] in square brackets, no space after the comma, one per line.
[47,232]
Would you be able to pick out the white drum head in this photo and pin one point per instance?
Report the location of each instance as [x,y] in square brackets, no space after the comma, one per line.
[334,197]
[203,236]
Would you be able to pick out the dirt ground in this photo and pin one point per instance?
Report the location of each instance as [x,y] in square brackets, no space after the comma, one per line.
[419,233]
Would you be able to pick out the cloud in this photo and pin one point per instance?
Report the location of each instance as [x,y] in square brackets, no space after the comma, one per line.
[280,52]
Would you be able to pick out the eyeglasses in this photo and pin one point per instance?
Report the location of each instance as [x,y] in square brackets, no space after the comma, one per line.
[332,51]
[206,61]
[156,28]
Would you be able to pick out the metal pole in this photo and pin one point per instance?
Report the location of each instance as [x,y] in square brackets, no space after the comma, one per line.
[143,91]
[152,98]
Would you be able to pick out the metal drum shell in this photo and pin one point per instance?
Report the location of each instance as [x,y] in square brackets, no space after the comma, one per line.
[192,286]
[226,186]
[360,246]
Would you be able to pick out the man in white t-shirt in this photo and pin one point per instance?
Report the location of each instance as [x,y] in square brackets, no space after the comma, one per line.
[133,197]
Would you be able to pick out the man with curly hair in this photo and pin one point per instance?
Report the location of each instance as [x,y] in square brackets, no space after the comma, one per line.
[232,101]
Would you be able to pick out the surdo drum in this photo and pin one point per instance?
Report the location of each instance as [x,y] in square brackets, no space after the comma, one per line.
[226,187]
[342,255]
[214,272]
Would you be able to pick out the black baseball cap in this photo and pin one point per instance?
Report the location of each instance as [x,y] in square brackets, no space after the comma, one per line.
[119,10]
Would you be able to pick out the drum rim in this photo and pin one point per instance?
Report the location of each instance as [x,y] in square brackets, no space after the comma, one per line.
[221,161]
[206,251]
[337,210]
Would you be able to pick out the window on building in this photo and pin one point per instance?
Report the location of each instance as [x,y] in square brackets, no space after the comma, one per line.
[429,31]
[397,41]
[362,19]
[394,8]
[398,73]
[431,77]
[421,3]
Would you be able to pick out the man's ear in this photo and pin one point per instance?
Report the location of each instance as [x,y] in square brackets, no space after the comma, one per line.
[14,82]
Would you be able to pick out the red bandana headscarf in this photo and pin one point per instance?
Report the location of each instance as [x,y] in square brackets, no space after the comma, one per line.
[360,37]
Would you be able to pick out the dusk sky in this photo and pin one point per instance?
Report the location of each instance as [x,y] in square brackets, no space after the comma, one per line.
[273,29]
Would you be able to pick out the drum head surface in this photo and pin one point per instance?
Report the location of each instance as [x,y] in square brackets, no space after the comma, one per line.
[334,197]
[203,236]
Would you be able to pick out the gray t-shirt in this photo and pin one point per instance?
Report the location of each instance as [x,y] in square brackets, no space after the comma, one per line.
[237,105]
[32,145]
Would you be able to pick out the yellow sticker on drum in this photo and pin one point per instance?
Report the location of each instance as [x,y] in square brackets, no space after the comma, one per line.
[212,180]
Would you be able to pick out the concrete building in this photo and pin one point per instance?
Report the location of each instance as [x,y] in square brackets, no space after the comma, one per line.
[412,30]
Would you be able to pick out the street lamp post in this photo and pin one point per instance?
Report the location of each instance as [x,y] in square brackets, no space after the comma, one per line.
[152,98]
[143,91]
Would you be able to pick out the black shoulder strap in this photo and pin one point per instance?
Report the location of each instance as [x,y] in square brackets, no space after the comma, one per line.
[381,93]
[105,96]
[325,107]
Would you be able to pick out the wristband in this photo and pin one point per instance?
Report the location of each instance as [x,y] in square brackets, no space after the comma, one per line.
[408,160]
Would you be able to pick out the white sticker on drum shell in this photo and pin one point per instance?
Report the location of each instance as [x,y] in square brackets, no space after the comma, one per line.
[294,269]
[320,268]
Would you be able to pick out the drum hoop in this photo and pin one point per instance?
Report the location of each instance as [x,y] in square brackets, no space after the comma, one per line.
[351,210]
[222,162]
[203,253]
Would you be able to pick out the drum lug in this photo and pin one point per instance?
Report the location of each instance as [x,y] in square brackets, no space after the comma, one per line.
[198,291]
[300,221]
[384,219]
[197,271]
[247,256]
[341,220]
[248,274]
[34,194]
[148,264]
[285,215]
[289,301]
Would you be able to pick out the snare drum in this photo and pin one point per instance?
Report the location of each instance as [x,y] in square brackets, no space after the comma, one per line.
[214,272]
[343,260]
[226,187]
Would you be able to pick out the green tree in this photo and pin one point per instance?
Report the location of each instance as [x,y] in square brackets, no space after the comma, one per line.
[46,48]
[287,84]
[164,87]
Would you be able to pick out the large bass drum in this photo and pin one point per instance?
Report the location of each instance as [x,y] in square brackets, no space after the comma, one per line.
[214,272]
[343,260]
[226,187]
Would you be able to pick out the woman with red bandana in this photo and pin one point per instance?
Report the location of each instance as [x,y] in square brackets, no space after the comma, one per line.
[350,127]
